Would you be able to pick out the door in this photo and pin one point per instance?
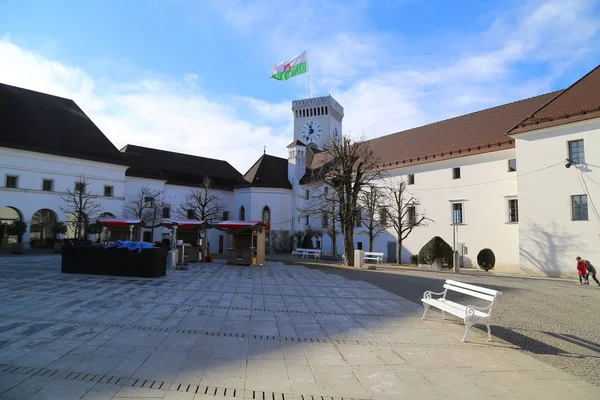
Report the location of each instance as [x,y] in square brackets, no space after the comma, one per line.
[391,252]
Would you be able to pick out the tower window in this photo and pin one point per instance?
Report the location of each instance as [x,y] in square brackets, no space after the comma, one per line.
[326,110]
[411,179]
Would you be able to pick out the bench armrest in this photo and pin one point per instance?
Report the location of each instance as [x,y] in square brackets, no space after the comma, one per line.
[427,294]
[470,310]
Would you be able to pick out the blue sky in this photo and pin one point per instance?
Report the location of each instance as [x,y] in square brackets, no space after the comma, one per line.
[192,76]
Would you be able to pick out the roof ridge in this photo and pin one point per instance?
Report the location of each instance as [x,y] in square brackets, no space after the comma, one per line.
[172,152]
[468,114]
[42,93]
[554,98]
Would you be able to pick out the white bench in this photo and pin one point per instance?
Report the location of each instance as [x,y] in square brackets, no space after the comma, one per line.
[371,256]
[316,253]
[469,313]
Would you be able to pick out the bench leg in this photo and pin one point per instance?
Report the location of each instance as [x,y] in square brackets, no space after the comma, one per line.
[443,314]
[468,325]
[425,312]
[489,332]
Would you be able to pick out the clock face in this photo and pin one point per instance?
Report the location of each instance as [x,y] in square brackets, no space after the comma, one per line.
[311,131]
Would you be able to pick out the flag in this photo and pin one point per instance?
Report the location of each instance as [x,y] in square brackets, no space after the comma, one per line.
[294,66]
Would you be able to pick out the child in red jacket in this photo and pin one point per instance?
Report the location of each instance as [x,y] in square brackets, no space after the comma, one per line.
[582,271]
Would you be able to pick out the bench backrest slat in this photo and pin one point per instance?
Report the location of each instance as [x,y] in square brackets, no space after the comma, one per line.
[469,292]
[472,287]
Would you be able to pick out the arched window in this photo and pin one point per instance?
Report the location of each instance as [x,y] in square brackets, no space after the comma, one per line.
[242,213]
[266,215]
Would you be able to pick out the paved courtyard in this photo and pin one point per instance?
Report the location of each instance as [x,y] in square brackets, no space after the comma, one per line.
[222,332]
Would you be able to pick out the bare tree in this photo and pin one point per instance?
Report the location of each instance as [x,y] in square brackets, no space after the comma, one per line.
[147,205]
[402,214]
[322,202]
[373,212]
[204,204]
[81,204]
[350,168]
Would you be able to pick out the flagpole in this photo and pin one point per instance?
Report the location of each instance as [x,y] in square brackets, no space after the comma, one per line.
[307,76]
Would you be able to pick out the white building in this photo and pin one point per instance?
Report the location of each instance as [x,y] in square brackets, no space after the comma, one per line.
[496,178]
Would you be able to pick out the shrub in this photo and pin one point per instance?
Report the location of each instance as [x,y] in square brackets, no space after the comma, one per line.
[436,250]
[17,228]
[414,259]
[208,258]
[486,259]
[165,242]
[60,228]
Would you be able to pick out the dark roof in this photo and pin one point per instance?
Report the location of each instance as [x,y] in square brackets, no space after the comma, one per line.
[178,168]
[268,171]
[49,124]
[578,102]
[296,143]
[479,132]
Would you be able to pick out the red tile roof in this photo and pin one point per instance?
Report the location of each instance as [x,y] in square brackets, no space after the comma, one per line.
[479,132]
[578,102]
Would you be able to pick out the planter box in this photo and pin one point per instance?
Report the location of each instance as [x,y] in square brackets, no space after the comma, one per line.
[149,263]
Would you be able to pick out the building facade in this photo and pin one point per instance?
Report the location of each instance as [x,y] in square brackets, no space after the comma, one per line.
[520,178]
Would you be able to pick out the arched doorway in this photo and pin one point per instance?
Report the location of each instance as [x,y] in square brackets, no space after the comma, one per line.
[42,228]
[8,215]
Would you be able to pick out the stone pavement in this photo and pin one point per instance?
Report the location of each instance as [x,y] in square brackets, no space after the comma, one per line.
[223,332]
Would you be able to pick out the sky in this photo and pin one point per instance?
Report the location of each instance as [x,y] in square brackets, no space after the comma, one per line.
[193,75]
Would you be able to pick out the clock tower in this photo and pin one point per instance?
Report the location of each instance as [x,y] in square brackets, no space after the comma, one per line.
[317,121]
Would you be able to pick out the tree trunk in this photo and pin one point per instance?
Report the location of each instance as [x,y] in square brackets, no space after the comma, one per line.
[399,251]
[349,244]
[371,240]
[334,244]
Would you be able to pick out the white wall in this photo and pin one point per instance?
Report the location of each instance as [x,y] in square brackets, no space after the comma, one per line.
[550,239]
[255,199]
[31,168]
[484,187]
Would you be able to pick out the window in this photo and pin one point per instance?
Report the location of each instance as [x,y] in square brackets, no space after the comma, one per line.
[457,213]
[80,187]
[512,165]
[11,181]
[456,173]
[47,185]
[225,215]
[266,215]
[166,212]
[411,179]
[191,214]
[148,202]
[513,210]
[307,220]
[325,220]
[307,194]
[579,207]
[359,245]
[576,153]
[242,213]
[383,216]
[108,191]
[412,215]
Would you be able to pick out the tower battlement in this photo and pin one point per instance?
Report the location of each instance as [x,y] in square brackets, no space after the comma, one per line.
[315,102]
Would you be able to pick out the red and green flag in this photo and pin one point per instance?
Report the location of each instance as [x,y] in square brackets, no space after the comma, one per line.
[286,69]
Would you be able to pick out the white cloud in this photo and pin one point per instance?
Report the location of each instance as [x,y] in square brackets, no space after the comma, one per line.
[155,112]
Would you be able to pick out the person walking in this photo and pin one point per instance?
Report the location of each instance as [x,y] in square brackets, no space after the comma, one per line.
[591,270]
[582,271]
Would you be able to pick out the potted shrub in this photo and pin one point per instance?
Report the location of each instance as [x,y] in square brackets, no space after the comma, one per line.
[208,258]
[59,229]
[17,228]
[486,259]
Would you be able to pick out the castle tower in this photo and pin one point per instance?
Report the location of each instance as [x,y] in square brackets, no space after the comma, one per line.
[317,121]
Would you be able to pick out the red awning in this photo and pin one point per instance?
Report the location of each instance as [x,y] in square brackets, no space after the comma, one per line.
[183,223]
[120,222]
[241,224]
